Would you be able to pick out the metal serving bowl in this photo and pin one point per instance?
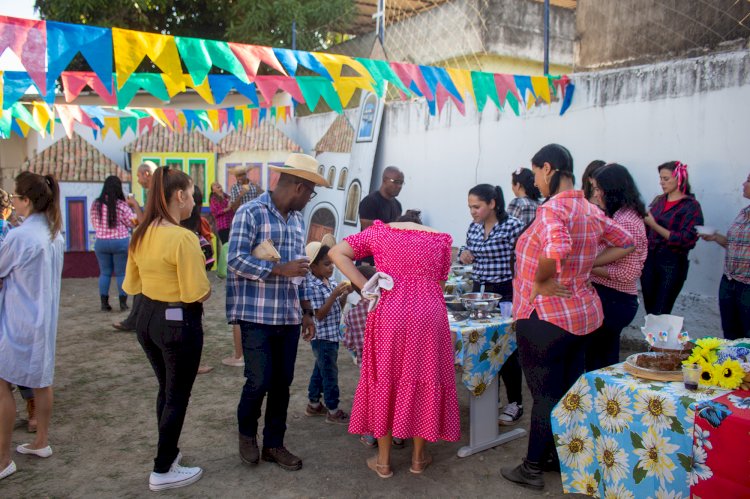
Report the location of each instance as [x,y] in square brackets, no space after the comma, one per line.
[453,303]
[480,304]
[462,270]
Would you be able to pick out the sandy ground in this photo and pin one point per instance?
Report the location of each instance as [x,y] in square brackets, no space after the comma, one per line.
[104,430]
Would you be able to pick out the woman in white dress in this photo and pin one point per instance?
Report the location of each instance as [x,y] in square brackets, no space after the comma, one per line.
[31,260]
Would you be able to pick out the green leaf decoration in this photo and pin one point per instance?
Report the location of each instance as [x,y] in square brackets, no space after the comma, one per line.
[636,440]
[484,356]
[459,345]
[599,384]
[595,430]
[656,388]
[676,426]
[686,462]
[495,336]
[598,477]
[686,401]
[638,474]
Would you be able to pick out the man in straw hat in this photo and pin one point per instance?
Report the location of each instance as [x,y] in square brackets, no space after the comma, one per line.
[243,191]
[262,297]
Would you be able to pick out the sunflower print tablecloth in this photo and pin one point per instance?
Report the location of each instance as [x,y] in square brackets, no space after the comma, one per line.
[619,436]
[482,349]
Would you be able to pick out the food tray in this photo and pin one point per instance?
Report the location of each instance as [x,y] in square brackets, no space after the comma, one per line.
[651,374]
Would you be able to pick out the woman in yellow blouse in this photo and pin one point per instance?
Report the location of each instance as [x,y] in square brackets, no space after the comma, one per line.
[166,265]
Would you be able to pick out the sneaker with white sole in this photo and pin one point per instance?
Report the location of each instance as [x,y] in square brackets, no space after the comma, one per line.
[177,476]
[511,414]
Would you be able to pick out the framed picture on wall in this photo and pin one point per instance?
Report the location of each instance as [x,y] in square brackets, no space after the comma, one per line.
[368,113]
[351,212]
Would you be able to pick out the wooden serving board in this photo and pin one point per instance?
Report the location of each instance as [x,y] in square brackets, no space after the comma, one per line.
[651,374]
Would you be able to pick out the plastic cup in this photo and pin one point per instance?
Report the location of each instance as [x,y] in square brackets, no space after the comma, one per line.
[506,308]
[691,376]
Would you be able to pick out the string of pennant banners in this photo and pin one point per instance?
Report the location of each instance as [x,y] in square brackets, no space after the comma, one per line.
[46,48]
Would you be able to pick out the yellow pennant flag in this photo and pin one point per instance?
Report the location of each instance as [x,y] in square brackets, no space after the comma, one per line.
[345,88]
[204,90]
[540,84]
[213,118]
[281,113]
[181,120]
[112,123]
[334,64]
[24,127]
[462,81]
[130,47]
[174,86]
[41,114]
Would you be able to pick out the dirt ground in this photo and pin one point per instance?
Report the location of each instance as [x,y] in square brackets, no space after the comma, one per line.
[104,431]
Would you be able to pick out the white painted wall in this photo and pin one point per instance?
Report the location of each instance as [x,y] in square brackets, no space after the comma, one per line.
[641,127]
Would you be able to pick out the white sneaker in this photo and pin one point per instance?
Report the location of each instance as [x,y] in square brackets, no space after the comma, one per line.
[511,414]
[177,476]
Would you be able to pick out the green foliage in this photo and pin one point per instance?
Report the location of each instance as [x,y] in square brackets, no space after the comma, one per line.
[261,22]
[685,461]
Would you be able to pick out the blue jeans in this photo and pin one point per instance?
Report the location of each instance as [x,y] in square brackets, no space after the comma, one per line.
[325,375]
[112,255]
[270,353]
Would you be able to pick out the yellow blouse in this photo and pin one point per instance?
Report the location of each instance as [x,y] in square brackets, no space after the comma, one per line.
[168,266]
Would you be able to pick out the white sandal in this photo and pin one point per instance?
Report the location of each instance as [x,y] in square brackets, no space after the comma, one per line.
[8,471]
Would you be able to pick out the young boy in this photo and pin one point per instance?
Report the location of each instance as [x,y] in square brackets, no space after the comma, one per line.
[326,298]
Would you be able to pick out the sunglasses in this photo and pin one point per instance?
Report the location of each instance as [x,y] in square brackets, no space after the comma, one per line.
[395,181]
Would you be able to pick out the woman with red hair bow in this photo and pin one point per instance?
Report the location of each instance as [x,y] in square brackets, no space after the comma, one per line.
[670,226]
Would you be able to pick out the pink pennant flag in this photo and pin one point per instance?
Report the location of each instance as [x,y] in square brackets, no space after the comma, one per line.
[268,85]
[70,115]
[28,40]
[409,73]
[506,83]
[561,85]
[222,118]
[171,115]
[442,95]
[250,56]
[75,81]
[145,124]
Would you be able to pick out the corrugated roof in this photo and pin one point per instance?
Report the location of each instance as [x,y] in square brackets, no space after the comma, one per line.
[338,138]
[75,160]
[264,137]
[162,139]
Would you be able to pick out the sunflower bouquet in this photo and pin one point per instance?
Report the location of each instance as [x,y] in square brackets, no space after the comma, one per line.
[724,363]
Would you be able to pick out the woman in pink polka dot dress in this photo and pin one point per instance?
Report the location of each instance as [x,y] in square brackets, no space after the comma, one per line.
[407,386]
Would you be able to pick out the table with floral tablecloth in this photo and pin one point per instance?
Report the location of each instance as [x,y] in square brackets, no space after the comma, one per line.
[619,436]
[481,349]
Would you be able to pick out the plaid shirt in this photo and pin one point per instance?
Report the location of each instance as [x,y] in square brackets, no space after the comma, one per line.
[568,229]
[123,222]
[238,192]
[253,294]
[217,205]
[737,260]
[355,321]
[625,272]
[318,292]
[493,255]
[680,221]
[523,209]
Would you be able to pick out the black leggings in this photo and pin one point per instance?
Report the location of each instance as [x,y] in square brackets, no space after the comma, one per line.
[174,349]
[603,345]
[510,373]
[552,360]
[223,235]
[663,275]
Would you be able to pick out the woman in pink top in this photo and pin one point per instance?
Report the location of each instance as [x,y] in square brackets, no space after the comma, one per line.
[223,214]
[554,303]
[615,192]
[112,219]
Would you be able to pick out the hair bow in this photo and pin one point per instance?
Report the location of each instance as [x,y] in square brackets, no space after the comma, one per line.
[681,174]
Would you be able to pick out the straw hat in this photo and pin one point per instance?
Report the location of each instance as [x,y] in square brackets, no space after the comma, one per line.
[313,248]
[303,166]
[238,169]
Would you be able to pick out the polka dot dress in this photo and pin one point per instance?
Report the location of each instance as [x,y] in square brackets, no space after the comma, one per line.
[407,383]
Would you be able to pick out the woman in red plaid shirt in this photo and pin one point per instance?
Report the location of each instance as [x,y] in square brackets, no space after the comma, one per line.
[554,303]
[615,192]
[671,234]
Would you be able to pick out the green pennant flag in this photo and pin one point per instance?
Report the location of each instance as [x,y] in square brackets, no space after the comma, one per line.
[150,82]
[484,86]
[511,100]
[19,111]
[202,115]
[6,120]
[315,87]
[128,124]
[199,55]
[381,71]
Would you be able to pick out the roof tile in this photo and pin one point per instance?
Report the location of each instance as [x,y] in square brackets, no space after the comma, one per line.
[264,137]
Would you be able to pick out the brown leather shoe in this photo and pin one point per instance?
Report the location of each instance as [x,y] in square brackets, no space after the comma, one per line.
[249,449]
[282,457]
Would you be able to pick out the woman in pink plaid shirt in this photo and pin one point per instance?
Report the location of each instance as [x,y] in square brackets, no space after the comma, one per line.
[112,219]
[554,303]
